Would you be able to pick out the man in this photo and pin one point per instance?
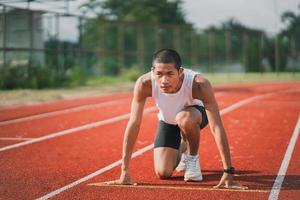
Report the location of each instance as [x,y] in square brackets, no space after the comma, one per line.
[186,104]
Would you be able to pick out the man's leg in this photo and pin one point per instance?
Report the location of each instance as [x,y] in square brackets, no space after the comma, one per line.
[165,161]
[167,150]
[189,121]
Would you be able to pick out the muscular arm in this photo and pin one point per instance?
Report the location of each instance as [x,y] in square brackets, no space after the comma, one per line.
[202,90]
[133,126]
[142,90]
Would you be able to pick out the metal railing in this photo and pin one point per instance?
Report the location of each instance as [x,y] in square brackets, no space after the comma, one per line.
[103,47]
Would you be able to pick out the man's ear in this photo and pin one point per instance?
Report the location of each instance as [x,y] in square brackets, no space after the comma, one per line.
[152,68]
[180,71]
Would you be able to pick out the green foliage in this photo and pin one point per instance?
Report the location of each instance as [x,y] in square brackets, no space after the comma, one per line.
[132,74]
[123,37]
[252,60]
[39,77]
[76,76]
[118,40]
[163,11]
[23,76]
[292,21]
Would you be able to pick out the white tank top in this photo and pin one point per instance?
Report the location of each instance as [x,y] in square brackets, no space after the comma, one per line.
[169,104]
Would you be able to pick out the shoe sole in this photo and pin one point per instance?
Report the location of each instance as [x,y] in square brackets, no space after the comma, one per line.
[193,180]
[180,170]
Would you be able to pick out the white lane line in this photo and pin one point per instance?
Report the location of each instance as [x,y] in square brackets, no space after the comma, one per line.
[119,162]
[244,102]
[15,138]
[251,99]
[64,111]
[119,118]
[76,129]
[111,120]
[96,173]
[69,110]
[285,163]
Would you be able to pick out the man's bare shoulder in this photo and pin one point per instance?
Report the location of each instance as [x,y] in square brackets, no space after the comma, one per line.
[201,82]
[144,84]
[202,88]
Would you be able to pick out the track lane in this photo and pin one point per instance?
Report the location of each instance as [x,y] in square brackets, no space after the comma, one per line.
[14,112]
[290,188]
[39,127]
[255,169]
[59,161]
[60,154]
[48,125]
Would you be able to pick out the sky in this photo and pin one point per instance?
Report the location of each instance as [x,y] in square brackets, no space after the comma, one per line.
[260,14]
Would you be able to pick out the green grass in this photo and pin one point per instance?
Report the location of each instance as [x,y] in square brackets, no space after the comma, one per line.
[228,78]
[214,78]
[107,80]
[104,85]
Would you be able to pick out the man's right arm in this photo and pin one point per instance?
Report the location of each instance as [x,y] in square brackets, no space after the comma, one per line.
[133,126]
[132,129]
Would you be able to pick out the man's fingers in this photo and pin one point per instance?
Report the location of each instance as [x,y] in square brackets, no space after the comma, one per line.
[219,185]
[238,187]
[118,182]
[111,182]
[235,185]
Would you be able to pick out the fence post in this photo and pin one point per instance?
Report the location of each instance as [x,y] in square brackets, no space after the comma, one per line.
[277,59]
[157,38]
[141,47]
[176,38]
[261,52]
[245,49]
[293,51]
[102,48]
[82,57]
[210,51]
[58,52]
[4,37]
[120,40]
[193,48]
[228,49]
[31,29]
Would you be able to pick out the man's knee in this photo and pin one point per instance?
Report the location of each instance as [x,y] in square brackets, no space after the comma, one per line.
[164,173]
[186,120]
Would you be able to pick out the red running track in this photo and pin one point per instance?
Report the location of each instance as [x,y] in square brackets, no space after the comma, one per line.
[259,133]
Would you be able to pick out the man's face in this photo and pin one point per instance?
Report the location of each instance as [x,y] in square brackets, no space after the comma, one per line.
[167,77]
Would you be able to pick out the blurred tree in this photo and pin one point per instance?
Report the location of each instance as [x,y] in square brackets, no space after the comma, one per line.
[122,38]
[288,41]
[293,24]
[163,11]
[244,45]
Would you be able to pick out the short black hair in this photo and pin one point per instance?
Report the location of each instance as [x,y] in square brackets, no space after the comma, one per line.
[167,56]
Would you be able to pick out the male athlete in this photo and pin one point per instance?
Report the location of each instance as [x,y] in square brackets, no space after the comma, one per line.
[186,104]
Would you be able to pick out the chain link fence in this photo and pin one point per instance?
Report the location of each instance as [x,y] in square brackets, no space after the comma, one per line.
[40,49]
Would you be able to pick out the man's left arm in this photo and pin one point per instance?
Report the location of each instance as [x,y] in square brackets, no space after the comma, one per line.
[219,133]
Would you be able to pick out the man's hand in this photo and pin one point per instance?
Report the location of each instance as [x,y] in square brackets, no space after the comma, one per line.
[125,179]
[228,182]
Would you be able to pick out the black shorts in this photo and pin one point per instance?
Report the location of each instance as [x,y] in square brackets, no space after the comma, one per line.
[168,135]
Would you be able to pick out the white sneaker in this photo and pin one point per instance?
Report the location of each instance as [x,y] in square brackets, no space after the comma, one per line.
[193,171]
[182,164]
